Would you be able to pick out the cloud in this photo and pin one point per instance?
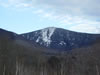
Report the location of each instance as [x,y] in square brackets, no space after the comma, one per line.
[71,11]
[76,7]
[40,11]
[23,5]
[76,14]
[16,3]
[65,7]
[86,28]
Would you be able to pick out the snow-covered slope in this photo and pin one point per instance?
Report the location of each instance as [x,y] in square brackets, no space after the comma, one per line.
[46,35]
[57,38]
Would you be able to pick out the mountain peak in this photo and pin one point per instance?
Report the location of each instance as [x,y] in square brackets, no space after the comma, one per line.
[49,28]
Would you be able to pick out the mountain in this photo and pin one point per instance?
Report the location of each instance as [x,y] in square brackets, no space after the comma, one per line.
[18,56]
[18,39]
[7,34]
[60,39]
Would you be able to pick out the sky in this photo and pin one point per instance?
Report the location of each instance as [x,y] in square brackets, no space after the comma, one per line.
[23,16]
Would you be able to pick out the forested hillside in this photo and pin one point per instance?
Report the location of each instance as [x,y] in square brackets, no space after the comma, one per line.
[16,59]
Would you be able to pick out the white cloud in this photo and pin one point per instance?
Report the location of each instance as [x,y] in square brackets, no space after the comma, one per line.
[23,5]
[16,3]
[74,7]
[48,15]
[85,28]
[40,11]
[81,15]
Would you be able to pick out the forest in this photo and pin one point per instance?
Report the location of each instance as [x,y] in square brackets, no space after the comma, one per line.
[16,59]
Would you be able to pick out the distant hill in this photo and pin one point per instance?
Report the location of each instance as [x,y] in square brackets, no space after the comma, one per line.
[60,39]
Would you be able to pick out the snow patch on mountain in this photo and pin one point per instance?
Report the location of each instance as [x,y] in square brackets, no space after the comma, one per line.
[38,39]
[46,34]
[62,43]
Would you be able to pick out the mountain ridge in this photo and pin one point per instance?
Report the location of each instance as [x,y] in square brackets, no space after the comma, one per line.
[59,38]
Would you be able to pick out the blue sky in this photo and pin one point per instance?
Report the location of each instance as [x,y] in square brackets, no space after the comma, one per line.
[23,16]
